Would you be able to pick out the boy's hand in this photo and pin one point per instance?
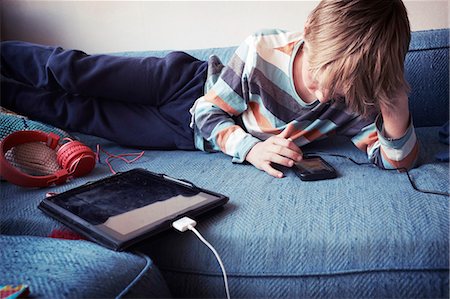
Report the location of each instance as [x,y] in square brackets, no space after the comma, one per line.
[276,149]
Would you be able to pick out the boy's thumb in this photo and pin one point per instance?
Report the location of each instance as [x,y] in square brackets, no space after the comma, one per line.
[288,131]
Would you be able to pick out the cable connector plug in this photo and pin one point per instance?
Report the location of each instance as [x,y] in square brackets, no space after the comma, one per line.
[183,224]
[186,223]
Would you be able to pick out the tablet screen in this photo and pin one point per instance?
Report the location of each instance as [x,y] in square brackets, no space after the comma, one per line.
[127,205]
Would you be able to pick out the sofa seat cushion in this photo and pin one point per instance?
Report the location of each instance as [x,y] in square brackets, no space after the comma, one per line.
[54,268]
[367,233]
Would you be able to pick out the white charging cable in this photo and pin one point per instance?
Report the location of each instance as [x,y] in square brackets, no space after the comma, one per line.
[187,223]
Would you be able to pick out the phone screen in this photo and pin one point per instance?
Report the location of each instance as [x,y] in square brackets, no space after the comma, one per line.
[314,168]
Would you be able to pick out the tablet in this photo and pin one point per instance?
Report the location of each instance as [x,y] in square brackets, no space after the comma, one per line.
[123,209]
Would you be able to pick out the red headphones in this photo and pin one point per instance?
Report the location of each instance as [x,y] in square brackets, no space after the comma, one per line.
[74,158]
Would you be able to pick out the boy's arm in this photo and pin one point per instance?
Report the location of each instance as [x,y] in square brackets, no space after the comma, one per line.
[221,131]
[396,118]
[215,113]
[391,141]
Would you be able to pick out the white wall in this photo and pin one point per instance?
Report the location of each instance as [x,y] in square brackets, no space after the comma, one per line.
[105,26]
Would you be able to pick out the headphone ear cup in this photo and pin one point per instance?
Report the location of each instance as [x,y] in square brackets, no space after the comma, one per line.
[76,157]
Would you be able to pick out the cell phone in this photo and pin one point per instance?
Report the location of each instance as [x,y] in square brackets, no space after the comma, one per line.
[314,168]
[123,209]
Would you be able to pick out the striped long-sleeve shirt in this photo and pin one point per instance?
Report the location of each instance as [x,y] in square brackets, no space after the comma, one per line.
[253,98]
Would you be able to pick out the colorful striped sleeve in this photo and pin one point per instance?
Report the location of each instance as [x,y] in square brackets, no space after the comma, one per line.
[388,153]
[215,112]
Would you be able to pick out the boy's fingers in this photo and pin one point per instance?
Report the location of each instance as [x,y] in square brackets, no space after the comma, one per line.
[281,160]
[287,148]
[288,141]
[288,152]
[272,171]
[288,131]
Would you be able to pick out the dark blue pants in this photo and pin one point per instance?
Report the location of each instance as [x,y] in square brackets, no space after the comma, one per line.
[138,102]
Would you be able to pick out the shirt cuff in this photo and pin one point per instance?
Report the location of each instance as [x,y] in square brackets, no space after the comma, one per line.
[394,143]
[244,147]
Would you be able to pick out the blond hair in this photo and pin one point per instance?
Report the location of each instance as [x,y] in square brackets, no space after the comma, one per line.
[359,47]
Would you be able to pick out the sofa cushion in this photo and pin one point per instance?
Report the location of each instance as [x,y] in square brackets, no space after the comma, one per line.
[367,233]
[54,268]
[427,71]
[364,234]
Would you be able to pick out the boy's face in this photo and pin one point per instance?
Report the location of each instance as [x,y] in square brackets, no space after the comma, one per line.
[313,85]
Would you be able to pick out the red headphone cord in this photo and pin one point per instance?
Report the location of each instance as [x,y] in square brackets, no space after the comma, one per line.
[111,157]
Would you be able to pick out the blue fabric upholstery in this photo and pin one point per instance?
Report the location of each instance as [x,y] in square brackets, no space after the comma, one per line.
[365,234]
[427,71]
[75,269]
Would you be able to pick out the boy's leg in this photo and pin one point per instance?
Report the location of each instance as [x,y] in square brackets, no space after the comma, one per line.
[145,80]
[142,102]
[135,125]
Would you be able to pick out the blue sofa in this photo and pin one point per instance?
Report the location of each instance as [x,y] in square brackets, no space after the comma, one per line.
[366,234]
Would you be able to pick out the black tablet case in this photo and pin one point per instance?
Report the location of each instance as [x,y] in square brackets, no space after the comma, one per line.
[86,225]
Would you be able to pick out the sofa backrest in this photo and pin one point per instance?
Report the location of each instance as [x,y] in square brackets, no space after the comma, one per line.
[427,72]
[426,68]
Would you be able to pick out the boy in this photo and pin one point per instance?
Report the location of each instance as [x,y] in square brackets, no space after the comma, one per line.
[280,91]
